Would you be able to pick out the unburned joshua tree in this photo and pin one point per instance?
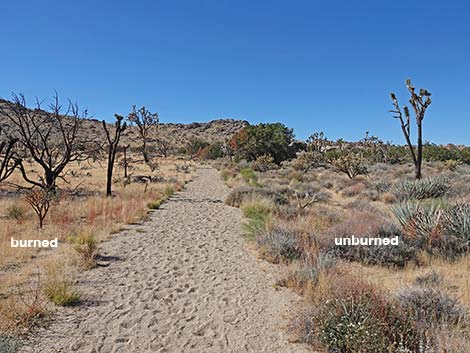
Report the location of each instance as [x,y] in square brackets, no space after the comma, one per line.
[419,102]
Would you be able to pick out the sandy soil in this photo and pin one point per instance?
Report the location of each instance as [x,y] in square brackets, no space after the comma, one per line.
[184,281]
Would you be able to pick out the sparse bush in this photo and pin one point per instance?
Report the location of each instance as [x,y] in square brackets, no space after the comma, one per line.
[279,244]
[430,279]
[16,212]
[308,160]
[451,164]
[370,195]
[86,245]
[432,187]
[428,306]
[59,287]
[354,190]
[169,191]
[306,274]
[249,176]
[240,194]
[388,197]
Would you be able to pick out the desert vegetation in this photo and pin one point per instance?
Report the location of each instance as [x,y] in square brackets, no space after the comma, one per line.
[80,181]
[410,297]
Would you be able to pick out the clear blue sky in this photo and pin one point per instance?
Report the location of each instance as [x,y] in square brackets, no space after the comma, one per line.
[313,65]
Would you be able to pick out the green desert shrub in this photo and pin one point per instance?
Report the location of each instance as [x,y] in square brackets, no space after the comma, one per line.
[279,244]
[432,187]
[62,292]
[169,191]
[257,208]
[16,212]
[352,164]
[428,306]
[255,226]
[274,139]
[249,176]
[155,205]
[86,246]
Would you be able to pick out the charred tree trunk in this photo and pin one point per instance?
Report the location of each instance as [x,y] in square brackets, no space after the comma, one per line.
[113,144]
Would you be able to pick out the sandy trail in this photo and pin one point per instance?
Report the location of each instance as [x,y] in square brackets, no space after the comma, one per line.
[182,282]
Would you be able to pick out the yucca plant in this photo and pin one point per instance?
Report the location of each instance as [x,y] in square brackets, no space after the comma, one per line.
[457,222]
[416,218]
[432,187]
[436,226]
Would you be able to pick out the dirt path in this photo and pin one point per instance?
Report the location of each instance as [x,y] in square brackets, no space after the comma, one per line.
[182,282]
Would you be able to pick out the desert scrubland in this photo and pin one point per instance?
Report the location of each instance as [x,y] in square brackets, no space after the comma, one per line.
[291,246]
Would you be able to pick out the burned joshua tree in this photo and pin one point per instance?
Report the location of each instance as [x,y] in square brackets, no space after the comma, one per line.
[147,123]
[8,159]
[113,143]
[419,102]
[51,138]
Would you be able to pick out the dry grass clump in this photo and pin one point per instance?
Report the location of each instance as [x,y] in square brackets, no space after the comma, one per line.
[279,244]
[257,207]
[60,284]
[86,246]
[303,276]
[354,189]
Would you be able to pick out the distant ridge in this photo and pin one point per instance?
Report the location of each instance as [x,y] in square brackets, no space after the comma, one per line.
[176,135]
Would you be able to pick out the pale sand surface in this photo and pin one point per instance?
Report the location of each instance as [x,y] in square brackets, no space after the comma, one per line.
[188,283]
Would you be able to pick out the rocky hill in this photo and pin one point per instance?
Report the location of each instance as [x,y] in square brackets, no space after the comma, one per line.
[175,135]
